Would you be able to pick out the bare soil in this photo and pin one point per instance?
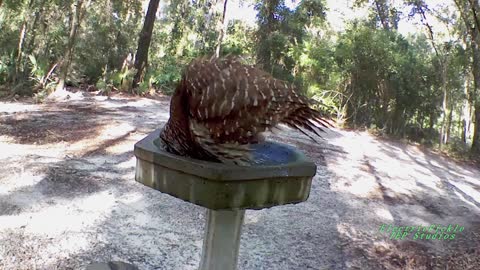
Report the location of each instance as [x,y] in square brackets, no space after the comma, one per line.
[68,198]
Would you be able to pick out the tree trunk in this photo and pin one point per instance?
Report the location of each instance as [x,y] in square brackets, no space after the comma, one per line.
[265,29]
[221,30]
[67,56]
[431,120]
[18,59]
[476,91]
[476,132]
[141,57]
[445,107]
[448,128]
[466,119]
[383,13]
[34,27]
[29,47]
[21,41]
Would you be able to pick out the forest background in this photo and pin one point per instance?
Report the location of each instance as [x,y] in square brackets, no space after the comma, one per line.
[406,68]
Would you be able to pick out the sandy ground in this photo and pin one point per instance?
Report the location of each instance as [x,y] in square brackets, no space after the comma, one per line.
[68,198]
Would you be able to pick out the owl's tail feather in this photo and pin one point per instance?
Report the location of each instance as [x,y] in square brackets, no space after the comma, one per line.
[307,119]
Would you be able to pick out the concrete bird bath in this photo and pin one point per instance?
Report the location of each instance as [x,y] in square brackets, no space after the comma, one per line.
[281,175]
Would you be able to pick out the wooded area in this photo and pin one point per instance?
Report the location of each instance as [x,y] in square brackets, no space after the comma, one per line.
[424,86]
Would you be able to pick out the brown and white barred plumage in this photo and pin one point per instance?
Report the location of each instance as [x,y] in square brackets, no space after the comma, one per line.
[221,106]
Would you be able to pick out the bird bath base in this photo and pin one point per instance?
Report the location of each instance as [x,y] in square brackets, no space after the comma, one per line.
[281,175]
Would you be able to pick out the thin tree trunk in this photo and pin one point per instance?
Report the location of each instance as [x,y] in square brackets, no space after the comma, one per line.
[466,110]
[222,29]
[476,132]
[21,41]
[29,47]
[264,50]
[34,27]
[141,57]
[443,63]
[67,56]
[382,11]
[474,30]
[476,91]
[431,121]
[445,105]
[448,129]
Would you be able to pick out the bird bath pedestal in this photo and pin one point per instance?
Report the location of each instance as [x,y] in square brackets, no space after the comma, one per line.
[281,175]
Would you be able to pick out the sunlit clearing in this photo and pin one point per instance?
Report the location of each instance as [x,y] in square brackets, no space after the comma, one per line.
[360,186]
[163,115]
[109,132]
[347,230]
[468,192]
[17,107]
[115,130]
[127,164]
[70,244]
[10,149]
[370,163]
[55,219]
[133,103]
[384,214]
[121,147]
[19,180]
[131,198]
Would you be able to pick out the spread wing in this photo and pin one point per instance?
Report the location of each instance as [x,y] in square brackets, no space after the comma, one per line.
[230,102]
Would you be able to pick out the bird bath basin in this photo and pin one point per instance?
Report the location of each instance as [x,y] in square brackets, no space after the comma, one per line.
[280,175]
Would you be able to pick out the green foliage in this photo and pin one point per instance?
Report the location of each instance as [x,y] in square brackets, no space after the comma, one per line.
[166,75]
[388,79]
[238,40]
[116,80]
[5,69]
[40,75]
[368,75]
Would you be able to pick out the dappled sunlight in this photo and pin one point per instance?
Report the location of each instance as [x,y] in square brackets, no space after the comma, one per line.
[361,184]
[20,179]
[130,198]
[463,199]
[118,102]
[355,143]
[368,248]
[129,164]
[107,132]
[400,172]
[347,230]
[67,228]
[78,199]
[121,147]
[65,215]
[384,214]
[126,145]
[473,194]
[7,107]
[10,149]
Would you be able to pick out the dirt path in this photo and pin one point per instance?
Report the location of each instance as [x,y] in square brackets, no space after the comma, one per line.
[68,198]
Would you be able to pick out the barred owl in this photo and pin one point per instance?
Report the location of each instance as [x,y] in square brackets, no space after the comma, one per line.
[222,107]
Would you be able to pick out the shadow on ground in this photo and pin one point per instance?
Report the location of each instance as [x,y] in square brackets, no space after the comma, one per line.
[86,207]
[402,185]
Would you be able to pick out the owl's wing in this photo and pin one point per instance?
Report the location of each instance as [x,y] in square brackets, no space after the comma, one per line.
[223,98]
[232,102]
